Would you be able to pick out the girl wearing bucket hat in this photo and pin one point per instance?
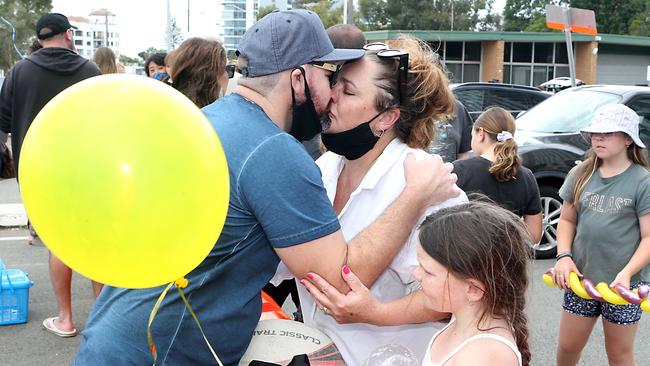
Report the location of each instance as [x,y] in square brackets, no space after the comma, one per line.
[604,234]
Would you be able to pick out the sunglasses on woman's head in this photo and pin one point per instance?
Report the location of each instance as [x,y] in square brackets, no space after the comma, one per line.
[383,51]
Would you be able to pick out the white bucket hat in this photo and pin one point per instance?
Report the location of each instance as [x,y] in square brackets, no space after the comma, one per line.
[615,118]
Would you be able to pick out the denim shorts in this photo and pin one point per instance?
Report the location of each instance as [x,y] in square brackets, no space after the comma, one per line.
[617,314]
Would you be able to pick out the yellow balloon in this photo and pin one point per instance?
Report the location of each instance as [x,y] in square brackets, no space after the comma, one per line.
[645,306]
[609,295]
[548,279]
[577,287]
[125,181]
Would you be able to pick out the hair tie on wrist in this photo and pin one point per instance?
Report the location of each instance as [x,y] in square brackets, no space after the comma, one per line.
[504,136]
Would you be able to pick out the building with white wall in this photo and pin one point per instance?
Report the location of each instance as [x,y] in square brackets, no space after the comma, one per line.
[277,4]
[233,18]
[99,29]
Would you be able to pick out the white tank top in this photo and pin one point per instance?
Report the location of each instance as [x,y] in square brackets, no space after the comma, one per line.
[427,356]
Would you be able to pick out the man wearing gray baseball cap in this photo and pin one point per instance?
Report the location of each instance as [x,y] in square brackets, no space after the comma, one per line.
[278,209]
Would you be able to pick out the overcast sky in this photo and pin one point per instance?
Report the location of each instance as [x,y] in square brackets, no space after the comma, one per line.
[141,23]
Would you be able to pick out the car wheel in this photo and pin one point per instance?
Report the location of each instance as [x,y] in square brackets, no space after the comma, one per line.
[551,207]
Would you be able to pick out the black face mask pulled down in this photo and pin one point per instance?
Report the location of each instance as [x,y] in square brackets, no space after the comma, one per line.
[353,143]
[306,122]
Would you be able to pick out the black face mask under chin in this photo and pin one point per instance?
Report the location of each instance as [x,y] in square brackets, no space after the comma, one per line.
[353,143]
[306,122]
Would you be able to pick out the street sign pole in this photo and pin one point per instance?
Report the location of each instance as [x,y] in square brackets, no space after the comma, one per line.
[569,45]
[571,20]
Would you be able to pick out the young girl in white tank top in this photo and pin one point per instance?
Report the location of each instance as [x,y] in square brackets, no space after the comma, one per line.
[473,260]
[472,264]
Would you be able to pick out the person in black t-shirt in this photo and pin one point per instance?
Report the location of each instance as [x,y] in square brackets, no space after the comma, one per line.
[453,137]
[496,170]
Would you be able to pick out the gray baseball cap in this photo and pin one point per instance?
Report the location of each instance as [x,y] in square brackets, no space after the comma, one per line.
[286,39]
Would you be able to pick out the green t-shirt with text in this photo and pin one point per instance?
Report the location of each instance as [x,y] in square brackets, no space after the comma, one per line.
[607,230]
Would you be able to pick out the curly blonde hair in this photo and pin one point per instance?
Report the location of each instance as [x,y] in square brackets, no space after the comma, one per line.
[428,96]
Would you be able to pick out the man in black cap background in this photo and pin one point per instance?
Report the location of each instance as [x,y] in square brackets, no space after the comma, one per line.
[278,209]
[28,86]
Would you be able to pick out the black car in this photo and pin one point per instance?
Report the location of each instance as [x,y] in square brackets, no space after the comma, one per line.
[550,143]
[514,98]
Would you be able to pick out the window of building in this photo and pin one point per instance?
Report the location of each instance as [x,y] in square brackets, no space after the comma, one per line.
[544,53]
[87,43]
[527,63]
[78,42]
[453,51]
[78,33]
[521,74]
[473,51]
[522,52]
[462,59]
[234,23]
[560,54]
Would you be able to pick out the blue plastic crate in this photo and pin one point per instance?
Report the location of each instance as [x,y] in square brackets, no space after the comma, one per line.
[14,295]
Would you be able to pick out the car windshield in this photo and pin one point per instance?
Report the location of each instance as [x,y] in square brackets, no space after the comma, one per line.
[568,111]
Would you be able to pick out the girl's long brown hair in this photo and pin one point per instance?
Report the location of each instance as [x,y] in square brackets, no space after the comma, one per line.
[105,60]
[507,161]
[195,67]
[483,241]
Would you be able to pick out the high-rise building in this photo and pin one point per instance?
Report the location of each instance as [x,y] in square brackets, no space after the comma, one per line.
[233,18]
[277,4]
[99,29]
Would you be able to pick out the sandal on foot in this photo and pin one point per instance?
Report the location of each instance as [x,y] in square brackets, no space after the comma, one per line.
[48,324]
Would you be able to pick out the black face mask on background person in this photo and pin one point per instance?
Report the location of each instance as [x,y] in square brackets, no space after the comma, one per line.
[353,143]
[306,122]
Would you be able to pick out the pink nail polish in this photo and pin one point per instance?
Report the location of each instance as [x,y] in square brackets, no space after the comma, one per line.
[310,276]
[346,269]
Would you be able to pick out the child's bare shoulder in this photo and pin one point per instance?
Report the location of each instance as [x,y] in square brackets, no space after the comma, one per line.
[485,352]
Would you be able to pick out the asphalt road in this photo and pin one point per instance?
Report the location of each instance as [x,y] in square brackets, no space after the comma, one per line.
[28,344]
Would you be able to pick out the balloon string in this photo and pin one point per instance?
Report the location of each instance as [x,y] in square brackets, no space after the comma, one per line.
[180,283]
[154,311]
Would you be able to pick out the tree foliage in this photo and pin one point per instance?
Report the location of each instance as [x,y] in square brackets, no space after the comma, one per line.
[619,16]
[145,54]
[428,15]
[328,13]
[22,14]
[612,16]
[126,60]
[173,35]
[263,11]
[526,15]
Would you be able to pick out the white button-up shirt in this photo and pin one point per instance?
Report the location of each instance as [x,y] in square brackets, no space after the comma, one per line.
[379,188]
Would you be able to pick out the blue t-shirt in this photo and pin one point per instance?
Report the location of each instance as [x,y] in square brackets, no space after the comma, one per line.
[277,199]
